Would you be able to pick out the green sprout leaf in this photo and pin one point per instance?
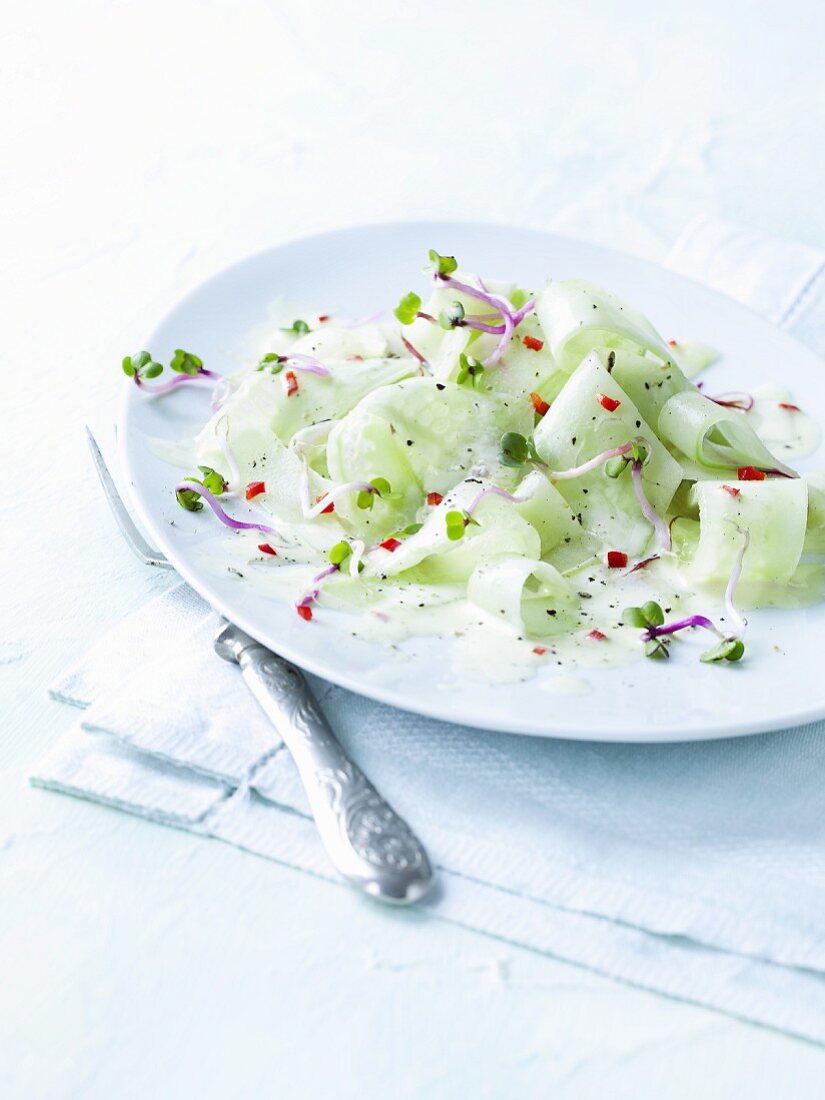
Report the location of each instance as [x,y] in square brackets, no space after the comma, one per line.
[514,449]
[452,315]
[468,367]
[407,309]
[212,480]
[340,552]
[731,649]
[639,451]
[142,365]
[442,265]
[455,525]
[184,362]
[412,529]
[615,466]
[365,499]
[189,499]
[648,615]
[654,613]
[519,297]
[657,649]
[299,327]
[272,362]
[634,616]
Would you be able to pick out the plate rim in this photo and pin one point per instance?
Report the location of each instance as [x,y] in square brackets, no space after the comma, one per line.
[708,731]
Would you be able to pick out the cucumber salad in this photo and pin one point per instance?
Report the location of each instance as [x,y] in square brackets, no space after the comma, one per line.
[535,472]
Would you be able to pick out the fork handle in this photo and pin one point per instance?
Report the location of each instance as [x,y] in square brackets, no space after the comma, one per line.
[369,844]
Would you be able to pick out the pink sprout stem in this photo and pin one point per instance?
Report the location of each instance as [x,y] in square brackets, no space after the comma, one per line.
[648,511]
[491,490]
[414,352]
[307,363]
[671,628]
[214,504]
[173,383]
[591,464]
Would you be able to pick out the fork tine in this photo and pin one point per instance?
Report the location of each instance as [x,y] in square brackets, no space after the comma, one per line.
[134,539]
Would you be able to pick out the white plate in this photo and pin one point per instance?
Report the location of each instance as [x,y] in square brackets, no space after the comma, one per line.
[356,271]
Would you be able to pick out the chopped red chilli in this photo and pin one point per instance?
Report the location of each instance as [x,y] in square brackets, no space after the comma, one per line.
[673,343]
[323,317]
[329,508]
[597,636]
[434,498]
[304,611]
[732,490]
[539,404]
[790,408]
[609,403]
[254,489]
[390,544]
[265,548]
[750,473]
[291,383]
[616,559]
[539,650]
[532,343]
[355,358]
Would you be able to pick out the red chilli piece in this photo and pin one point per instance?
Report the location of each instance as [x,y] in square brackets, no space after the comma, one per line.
[323,318]
[790,408]
[673,343]
[732,490]
[265,548]
[329,508]
[532,343]
[750,473]
[254,489]
[539,404]
[609,403]
[434,498]
[390,544]
[597,636]
[616,559]
[355,358]
[291,383]
[304,611]
[539,650]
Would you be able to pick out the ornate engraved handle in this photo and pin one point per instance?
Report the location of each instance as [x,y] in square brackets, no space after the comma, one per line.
[370,845]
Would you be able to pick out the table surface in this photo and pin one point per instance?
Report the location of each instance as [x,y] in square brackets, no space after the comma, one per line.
[146,146]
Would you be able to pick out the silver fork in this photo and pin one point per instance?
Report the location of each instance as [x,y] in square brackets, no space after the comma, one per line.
[368,843]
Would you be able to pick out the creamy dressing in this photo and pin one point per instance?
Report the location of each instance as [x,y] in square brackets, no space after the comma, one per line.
[789,432]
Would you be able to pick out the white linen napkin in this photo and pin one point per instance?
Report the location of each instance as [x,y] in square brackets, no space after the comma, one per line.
[695,870]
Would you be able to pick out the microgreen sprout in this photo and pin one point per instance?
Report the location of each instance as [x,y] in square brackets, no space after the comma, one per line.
[456,522]
[656,633]
[184,362]
[441,265]
[379,486]
[299,328]
[272,363]
[141,365]
[339,553]
[731,649]
[511,317]
[515,450]
[452,316]
[407,309]
[468,367]
[190,493]
[185,365]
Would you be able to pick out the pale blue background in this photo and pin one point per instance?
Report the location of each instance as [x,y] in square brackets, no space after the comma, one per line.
[145,145]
